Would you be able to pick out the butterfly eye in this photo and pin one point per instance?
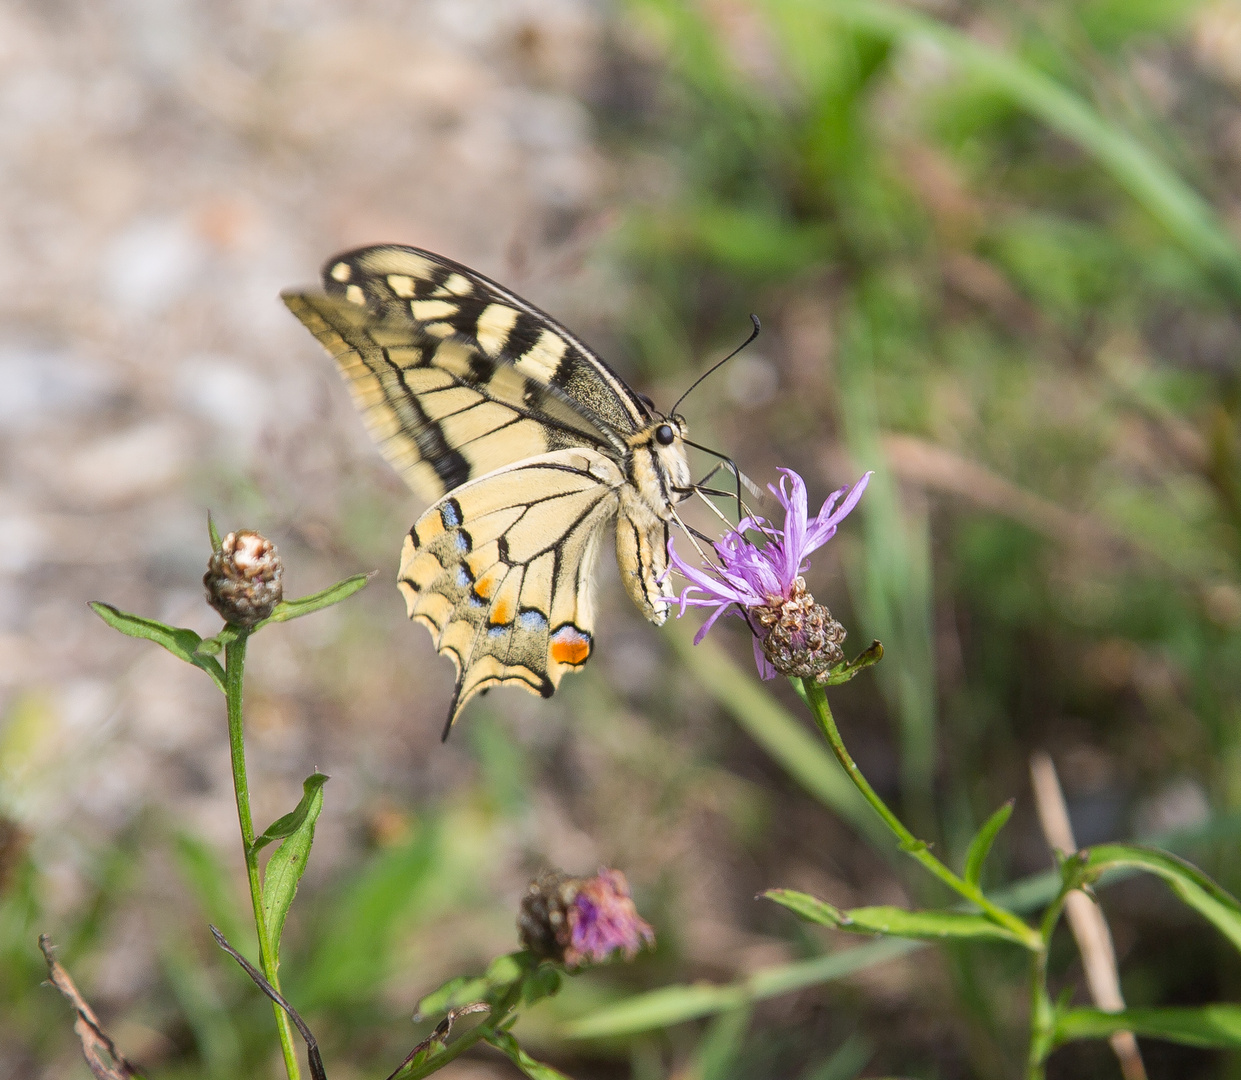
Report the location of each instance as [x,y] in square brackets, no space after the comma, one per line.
[664,435]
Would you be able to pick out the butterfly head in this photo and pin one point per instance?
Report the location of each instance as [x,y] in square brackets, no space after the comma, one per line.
[658,464]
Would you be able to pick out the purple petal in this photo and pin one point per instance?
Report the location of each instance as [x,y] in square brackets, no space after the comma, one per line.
[702,630]
[823,528]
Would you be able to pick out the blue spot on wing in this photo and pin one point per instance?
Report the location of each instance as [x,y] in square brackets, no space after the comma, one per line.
[450,513]
[531,619]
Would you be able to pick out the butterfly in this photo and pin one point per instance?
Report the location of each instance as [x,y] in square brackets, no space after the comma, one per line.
[528,447]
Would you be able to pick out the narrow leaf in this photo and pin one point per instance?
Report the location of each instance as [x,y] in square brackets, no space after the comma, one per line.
[656,1009]
[286,865]
[305,605]
[536,1070]
[980,846]
[676,1004]
[843,672]
[1189,883]
[807,907]
[179,641]
[1207,1025]
[928,925]
[892,921]
[214,534]
[291,822]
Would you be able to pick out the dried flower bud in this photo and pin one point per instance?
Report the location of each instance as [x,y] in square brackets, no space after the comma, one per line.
[243,578]
[799,637]
[575,921]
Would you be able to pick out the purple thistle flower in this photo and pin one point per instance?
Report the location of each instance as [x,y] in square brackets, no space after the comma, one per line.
[763,582]
[604,920]
[576,921]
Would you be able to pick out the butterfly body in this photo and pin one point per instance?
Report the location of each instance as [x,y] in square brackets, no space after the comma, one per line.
[528,448]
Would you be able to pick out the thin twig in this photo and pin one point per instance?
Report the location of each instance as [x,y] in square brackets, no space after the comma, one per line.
[1086,920]
[95,1044]
[312,1045]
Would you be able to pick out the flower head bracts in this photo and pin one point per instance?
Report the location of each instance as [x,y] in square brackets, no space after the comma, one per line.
[763,582]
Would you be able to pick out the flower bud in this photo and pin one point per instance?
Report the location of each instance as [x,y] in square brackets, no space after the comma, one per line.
[575,921]
[243,578]
[799,637]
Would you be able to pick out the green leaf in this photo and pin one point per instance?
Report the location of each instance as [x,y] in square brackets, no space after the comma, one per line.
[536,1070]
[676,1004]
[182,643]
[306,605]
[1189,883]
[807,907]
[1206,1025]
[980,846]
[214,534]
[892,921]
[845,671]
[291,822]
[500,975]
[656,1009]
[288,862]
[543,981]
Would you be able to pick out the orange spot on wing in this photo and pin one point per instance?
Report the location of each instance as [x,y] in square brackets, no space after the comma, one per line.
[485,586]
[502,613]
[570,646]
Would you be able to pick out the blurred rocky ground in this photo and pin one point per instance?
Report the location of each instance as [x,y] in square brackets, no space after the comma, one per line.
[168,167]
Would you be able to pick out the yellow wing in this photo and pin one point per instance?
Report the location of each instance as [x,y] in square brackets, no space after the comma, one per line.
[455,375]
[500,570]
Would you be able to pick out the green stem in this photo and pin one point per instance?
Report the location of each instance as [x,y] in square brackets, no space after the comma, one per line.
[497,1017]
[918,849]
[234,674]
[1042,1014]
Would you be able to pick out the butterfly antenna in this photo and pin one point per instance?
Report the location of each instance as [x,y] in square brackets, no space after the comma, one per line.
[693,534]
[753,334]
[741,478]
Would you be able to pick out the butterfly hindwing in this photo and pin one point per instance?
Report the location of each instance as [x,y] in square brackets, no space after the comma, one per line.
[499,570]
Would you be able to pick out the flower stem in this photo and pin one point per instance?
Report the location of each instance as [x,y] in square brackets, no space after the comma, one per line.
[234,673]
[499,1014]
[918,849]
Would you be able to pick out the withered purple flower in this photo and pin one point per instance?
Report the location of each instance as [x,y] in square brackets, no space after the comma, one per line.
[763,582]
[576,921]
